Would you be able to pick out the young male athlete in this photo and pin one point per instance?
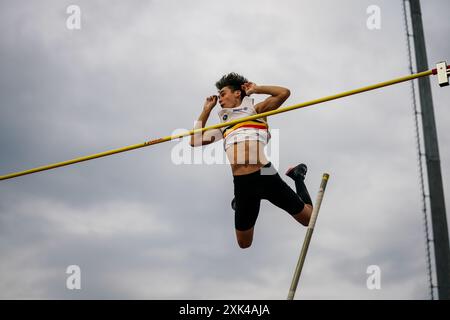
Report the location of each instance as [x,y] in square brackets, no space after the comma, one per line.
[254,176]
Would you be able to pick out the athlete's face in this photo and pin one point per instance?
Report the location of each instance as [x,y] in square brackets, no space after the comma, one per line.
[229,98]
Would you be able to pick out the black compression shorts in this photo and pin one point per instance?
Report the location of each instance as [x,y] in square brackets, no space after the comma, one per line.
[267,184]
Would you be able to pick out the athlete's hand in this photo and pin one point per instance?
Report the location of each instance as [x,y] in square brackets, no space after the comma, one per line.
[210,102]
[249,88]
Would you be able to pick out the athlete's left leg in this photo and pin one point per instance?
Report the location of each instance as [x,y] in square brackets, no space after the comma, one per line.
[279,193]
[305,215]
[298,174]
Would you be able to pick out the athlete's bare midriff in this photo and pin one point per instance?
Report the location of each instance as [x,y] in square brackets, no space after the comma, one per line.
[246,157]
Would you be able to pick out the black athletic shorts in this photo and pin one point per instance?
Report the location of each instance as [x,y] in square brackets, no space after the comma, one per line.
[267,184]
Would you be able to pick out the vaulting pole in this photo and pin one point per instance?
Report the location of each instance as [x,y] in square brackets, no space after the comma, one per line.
[226,124]
[309,232]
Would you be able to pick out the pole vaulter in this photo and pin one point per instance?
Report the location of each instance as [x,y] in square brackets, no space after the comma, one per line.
[441,70]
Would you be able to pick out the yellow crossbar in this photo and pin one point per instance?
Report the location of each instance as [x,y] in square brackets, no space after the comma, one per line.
[220,125]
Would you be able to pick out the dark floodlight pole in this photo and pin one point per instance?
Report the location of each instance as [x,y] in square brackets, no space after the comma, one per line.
[437,201]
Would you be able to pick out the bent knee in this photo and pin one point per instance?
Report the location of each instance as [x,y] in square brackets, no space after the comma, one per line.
[307,210]
[304,216]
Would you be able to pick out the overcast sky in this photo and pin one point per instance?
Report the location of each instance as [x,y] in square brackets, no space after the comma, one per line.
[142,226]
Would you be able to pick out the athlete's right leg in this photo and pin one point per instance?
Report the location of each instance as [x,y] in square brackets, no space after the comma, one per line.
[245,238]
[245,215]
[246,208]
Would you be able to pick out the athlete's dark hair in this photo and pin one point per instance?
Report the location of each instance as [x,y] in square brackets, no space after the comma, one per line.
[234,81]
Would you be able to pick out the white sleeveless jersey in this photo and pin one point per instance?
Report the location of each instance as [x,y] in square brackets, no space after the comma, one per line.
[248,130]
